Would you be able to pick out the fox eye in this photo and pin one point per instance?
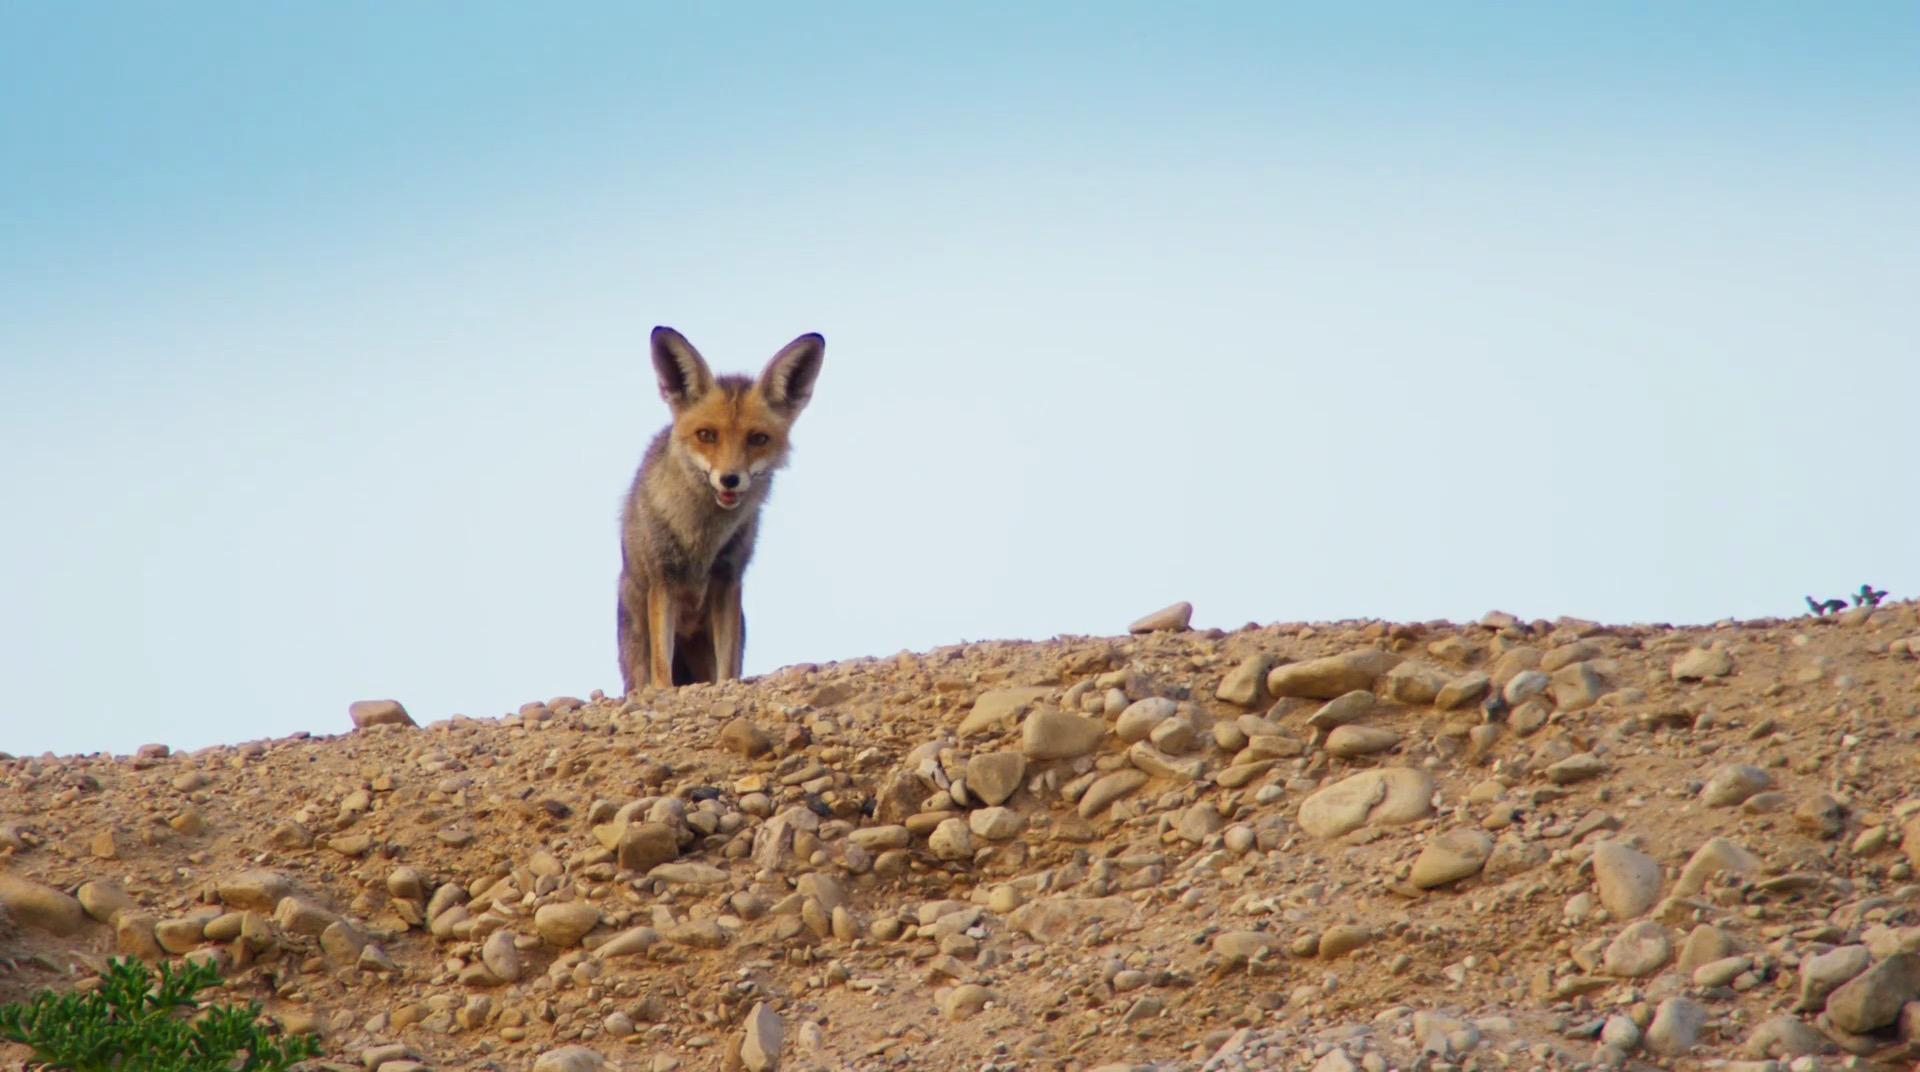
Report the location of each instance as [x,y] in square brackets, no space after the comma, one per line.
[706,435]
[758,439]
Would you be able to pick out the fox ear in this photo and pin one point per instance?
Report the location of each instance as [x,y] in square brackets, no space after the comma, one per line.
[683,373]
[787,381]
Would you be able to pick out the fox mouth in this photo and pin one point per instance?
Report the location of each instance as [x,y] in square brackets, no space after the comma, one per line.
[727,499]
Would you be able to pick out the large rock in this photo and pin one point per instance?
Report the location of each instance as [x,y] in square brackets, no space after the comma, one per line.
[566,923]
[1056,919]
[1416,684]
[1463,691]
[1714,856]
[366,713]
[644,846]
[1628,880]
[1388,796]
[1344,709]
[995,776]
[1334,675]
[258,890]
[1246,685]
[1676,1027]
[1138,720]
[1823,973]
[40,906]
[1872,1000]
[103,899]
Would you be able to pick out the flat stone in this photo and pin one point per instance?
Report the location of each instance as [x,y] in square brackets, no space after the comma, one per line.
[1388,796]
[1784,1036]
[628,943]
[1169,619]
[1823,973]
[1344,709]
[1057,919]
[1351,741]
[366,713]
[1578,767]
[1524,686]
[689,873]
[298,915]
[1331,676]
[1001,708]
[1108,788]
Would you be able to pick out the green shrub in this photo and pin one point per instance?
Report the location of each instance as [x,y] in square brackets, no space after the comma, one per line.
[131,1023]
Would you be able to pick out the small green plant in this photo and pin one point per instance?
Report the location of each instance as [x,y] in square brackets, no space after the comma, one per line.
[132,1022]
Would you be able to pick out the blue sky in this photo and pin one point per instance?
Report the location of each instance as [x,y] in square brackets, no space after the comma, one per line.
[323,328]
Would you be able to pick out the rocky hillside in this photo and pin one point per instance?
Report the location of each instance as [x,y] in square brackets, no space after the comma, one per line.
[1356,845]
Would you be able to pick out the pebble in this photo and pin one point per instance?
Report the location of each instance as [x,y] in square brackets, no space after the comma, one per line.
[965,1001]
[1734,783]
[1676,1027]
[1640,950]
[570,1059]
[951,840]
[1450,857]
[1701,663]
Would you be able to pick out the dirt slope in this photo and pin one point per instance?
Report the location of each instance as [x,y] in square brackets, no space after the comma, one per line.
[1351,845]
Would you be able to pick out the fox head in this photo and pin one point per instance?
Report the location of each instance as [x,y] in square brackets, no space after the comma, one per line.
[731,431]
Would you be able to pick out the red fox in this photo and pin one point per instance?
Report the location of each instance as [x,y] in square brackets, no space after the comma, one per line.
[694,509]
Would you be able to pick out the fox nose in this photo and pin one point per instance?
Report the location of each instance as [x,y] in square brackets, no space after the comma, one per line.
[729,480]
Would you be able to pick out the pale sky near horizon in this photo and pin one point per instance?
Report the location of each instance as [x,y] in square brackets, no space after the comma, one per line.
[323,327]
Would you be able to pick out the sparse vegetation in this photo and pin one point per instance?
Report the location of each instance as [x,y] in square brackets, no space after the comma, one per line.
[137,1020]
